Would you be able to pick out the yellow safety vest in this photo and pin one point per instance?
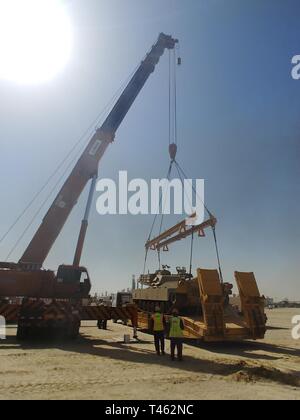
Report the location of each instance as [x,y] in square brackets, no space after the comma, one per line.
[175,329]
[158,322]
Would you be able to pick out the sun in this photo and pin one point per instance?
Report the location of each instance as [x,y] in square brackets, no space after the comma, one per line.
[35,40]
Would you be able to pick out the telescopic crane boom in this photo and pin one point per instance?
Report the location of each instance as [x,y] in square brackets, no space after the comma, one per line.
[27,278]
[87,166]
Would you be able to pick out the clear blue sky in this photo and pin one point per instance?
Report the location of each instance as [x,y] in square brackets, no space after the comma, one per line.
[239,129]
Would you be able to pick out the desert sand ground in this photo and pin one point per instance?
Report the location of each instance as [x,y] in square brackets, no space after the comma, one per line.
[99,366]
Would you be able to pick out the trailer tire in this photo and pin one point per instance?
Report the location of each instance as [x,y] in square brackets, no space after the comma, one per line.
[22,333]
[74,330]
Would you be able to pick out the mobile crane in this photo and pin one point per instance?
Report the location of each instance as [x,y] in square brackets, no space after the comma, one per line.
[66,288]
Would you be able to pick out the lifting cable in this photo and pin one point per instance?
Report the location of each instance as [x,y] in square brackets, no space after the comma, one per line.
[87,134]
[173,137]
[155,219]
[170,99]
[191,255]
[172,130]
[44,186]
[173,146]
[175,101]
[194,189]
[213,227]
[192,238]
[218,253]
[172,102]
[40,208]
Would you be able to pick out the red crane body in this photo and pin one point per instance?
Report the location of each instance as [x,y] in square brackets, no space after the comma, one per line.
[27,278]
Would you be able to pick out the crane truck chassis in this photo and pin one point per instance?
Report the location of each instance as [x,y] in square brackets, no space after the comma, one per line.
[59,318]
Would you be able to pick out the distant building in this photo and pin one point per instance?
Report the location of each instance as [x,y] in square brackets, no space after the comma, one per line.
[270,302]
[235,301]
[133,282]
[287,304]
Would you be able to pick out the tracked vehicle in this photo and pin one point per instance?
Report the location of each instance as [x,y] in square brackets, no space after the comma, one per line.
[203,301]
[168,291]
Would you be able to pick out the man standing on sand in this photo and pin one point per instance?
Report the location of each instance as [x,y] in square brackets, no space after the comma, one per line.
[176,328]
[158,326]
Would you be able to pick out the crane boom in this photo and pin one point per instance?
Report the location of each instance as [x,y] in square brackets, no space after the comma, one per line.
[87,166]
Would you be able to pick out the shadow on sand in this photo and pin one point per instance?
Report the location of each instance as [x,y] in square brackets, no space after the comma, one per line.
[130,353]
[247,349]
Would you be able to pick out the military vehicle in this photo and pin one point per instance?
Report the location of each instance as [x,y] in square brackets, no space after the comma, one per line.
[169,291]
[203,303]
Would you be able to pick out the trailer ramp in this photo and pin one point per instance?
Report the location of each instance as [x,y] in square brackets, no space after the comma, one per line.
[252,304]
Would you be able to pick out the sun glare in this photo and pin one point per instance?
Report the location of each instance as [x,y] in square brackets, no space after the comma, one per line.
[35,40]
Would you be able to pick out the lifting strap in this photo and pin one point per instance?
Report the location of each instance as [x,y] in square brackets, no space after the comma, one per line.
[173,148]
[181,171]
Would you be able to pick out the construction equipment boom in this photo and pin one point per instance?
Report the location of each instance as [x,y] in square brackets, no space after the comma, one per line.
[27,279]
[87,166]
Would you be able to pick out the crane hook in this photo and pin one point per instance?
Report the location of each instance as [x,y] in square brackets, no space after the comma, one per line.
[173,151]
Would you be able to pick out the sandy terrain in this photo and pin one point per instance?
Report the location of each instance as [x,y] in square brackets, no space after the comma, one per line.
[99,366]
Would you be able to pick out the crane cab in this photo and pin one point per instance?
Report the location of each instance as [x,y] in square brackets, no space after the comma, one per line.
[76,279]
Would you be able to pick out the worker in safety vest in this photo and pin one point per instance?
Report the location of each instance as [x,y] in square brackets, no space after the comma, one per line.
[176,328]
[158,326]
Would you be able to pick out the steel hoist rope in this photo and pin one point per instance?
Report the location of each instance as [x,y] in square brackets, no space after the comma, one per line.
[173,149]
[87,133]
[210,214]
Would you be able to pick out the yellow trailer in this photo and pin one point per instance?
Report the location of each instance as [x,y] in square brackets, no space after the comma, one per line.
[213,318]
